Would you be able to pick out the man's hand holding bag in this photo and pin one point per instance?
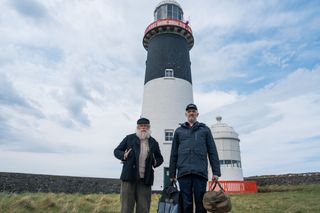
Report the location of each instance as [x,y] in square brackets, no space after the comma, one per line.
[217,201]
[170,200]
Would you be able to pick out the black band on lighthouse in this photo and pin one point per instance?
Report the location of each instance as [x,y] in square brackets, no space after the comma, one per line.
[168,51]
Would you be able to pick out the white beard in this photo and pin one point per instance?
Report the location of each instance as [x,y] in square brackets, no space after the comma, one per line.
[143,135]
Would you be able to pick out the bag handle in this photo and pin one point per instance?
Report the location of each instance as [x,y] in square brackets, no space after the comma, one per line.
[215,184]
[174,184]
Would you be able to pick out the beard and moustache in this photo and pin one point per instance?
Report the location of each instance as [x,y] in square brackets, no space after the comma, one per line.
[143,135]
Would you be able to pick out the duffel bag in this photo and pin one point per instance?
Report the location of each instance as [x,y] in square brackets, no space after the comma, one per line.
[217,201]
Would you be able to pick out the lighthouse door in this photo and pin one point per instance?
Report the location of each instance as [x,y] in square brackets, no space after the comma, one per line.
[166,178]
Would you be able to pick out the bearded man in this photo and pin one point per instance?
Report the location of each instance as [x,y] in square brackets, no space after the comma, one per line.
[140,153]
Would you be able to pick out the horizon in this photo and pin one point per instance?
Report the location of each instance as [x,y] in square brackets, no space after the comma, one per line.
[287,174]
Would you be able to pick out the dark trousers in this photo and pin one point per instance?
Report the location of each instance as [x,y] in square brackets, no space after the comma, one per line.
[192,186]
[135,194]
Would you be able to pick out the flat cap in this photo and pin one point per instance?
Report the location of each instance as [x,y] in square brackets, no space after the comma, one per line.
[143,121]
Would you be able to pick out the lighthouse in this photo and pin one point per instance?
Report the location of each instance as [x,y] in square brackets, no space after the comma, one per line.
[228,146]
[168,82]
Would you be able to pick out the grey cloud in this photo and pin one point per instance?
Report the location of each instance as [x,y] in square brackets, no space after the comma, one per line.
[29,8]
[48,53]
[75,105]
[241,114]
[260,104]
[9,96]
[74,99]
[5,130]
[63,121]
[81,90]
[264,36]
[28,146]
[14,140]
[24,143]
[78,102]
[76,108]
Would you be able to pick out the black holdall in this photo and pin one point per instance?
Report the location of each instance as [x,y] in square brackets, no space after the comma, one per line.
[170,200]
[217,201]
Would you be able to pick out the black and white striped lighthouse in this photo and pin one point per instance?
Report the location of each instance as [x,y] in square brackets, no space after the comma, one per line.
[168,82]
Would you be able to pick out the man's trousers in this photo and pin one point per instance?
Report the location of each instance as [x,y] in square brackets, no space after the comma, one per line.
[192,186]
[135,193]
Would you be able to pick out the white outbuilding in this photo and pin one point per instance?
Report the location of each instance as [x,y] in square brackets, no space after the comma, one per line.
[228,145]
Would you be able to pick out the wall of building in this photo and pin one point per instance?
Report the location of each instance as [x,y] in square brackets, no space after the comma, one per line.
[160,95]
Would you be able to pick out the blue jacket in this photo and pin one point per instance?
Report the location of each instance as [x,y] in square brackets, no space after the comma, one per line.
[130,169]
[190,150]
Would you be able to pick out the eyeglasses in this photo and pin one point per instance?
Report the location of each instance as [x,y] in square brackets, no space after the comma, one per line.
[192,111]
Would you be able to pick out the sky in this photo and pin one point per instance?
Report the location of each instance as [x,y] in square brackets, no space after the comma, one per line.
[72,75]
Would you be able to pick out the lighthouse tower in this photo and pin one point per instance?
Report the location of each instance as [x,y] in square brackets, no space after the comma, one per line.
[168,83]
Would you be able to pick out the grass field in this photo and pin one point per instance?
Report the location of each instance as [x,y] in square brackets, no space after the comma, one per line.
[290,199]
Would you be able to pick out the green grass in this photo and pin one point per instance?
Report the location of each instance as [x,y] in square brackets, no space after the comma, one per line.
[282,199]
[289,199]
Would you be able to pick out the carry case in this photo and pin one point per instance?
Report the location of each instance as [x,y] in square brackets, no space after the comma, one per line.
[170,200]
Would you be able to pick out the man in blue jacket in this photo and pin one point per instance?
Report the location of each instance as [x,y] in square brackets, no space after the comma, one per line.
[192,145]
[139,153]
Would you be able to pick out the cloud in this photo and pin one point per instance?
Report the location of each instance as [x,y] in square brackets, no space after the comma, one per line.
[38,53]
[9,97]
[29,8]
[75,101]
[238,42]
[254,80]
[5,129]
[274,122]
[212,100]
[60,164]
[226,62]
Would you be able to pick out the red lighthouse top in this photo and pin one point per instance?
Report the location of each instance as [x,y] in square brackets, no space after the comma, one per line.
[168,17]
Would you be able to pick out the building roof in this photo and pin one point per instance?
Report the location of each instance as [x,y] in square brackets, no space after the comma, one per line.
[168,2]
[222,130]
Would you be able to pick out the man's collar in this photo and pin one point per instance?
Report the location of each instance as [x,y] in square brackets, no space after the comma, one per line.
[187,124]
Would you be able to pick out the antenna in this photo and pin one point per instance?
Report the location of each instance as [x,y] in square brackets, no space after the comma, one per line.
[189,20]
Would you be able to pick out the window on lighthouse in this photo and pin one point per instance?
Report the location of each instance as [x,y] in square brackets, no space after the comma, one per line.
[170,11]
[168,73]
[168,135]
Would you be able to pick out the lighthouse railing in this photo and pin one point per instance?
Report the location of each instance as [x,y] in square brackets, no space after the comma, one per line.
[162,22]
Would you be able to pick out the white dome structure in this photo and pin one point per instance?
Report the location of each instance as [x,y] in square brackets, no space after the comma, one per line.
[227,143]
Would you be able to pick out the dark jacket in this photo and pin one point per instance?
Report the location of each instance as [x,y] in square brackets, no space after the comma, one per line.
[130,169]
[190,149]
